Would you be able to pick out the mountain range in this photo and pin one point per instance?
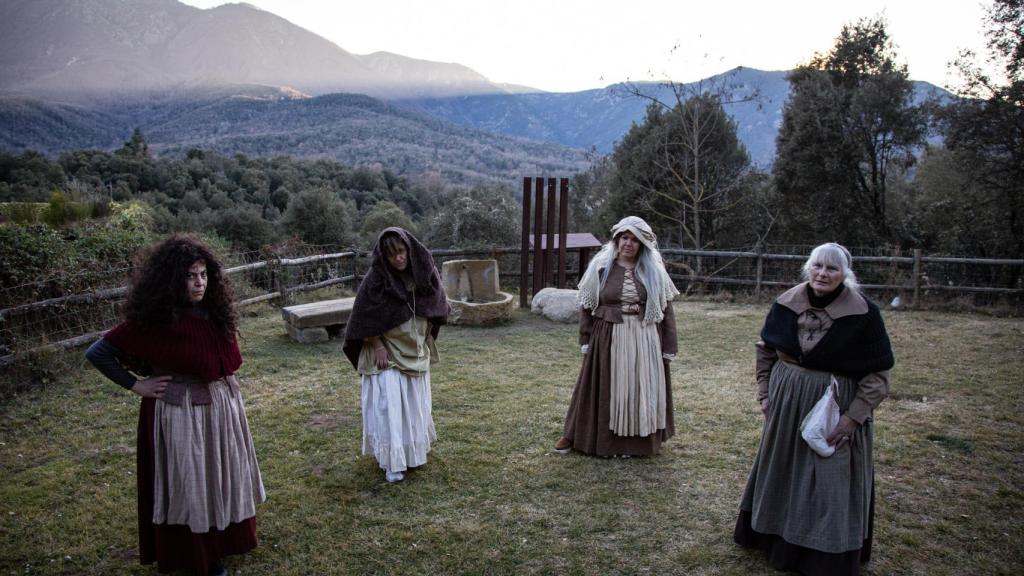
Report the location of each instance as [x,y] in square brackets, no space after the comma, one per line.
[84,73]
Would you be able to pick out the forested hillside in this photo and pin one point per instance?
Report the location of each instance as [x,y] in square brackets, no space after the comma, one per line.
[251,202]
[350,128]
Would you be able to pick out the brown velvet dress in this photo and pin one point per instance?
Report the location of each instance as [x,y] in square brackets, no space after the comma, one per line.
[587,421]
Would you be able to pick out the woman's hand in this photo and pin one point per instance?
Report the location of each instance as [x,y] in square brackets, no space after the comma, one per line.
[380,356]
[764,408]
[843,433]
[380,353]
[152,387]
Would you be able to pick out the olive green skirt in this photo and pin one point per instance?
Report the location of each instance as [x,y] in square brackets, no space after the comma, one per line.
[819,503]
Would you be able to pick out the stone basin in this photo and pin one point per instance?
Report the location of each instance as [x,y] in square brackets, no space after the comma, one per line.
[474,294]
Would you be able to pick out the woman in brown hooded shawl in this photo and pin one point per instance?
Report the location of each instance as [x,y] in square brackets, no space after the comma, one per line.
[399,309]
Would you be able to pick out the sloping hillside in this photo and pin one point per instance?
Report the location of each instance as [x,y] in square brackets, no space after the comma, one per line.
[351,128]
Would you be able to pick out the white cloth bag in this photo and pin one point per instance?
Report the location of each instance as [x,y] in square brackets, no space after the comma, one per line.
[821,421]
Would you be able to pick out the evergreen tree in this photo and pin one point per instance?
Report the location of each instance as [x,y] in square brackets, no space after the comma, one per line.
[135,147]
[481,216]
[382,215]
[985,128]
[319,216]
[848,123]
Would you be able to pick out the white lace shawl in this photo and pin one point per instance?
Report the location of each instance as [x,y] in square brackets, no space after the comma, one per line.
[650,271]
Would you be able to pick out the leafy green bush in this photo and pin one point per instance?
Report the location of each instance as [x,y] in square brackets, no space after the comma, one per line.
[319,216]
[382,215]
[29,253]
[245,227]
[482,216]
[38,261]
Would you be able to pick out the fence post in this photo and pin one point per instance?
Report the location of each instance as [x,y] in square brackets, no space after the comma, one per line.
[917,275]
[280,275]
[760,268]
[538,227]
[563,229]
[355,268]
[524,250]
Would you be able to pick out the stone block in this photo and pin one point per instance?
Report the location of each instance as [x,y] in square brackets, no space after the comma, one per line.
[471,280]
[325,313]
[558,304]
[308,335]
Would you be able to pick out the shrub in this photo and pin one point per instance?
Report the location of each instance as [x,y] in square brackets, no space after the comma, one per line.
[319,216]
[482,216]
[245,227]
[382,215]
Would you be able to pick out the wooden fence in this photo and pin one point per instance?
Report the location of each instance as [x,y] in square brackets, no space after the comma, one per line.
[916,281]
[28,328]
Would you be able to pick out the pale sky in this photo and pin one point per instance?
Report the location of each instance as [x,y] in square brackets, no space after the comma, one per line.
[571,45]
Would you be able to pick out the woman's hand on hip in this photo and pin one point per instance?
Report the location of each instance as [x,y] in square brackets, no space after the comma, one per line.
[843,433]
[152,387]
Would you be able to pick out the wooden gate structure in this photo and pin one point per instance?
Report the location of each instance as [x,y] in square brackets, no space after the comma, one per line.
[543,244]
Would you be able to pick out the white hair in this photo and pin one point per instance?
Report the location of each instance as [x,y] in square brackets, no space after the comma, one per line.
[649,270]
[832,254]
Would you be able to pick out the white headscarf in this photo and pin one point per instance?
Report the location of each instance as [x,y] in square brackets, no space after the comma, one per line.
[650,270]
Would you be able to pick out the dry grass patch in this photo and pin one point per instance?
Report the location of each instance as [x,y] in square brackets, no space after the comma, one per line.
[493,499]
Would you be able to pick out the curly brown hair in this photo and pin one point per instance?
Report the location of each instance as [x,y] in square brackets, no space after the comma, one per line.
[158,290]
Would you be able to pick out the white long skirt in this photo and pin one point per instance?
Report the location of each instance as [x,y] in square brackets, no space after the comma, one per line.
[397,424]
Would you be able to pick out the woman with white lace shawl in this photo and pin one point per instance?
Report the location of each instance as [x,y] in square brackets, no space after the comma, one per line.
[622,403]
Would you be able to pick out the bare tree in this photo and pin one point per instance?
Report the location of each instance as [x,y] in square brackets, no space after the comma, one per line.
[684,165]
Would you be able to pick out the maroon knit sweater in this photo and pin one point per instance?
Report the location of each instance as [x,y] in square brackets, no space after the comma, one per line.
[189,345]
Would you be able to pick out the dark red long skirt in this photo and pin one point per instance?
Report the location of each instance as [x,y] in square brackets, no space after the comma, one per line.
[174,546]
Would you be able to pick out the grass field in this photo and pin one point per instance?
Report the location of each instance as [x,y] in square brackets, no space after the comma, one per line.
[493,499]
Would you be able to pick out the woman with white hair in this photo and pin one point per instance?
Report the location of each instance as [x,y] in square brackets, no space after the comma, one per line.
[622,403]
[811,513]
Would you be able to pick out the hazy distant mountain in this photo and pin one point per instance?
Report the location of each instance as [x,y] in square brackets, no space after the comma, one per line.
[352,128]
[403,75]
[233,78]
[70,49]
[597,119]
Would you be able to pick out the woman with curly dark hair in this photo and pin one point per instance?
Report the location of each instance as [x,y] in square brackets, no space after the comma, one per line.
[198,479]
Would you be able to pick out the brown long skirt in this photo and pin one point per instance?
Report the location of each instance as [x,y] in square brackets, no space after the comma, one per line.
[173,546]
[587,421]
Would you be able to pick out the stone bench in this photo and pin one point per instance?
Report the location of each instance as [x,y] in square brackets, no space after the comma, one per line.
[317,321]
